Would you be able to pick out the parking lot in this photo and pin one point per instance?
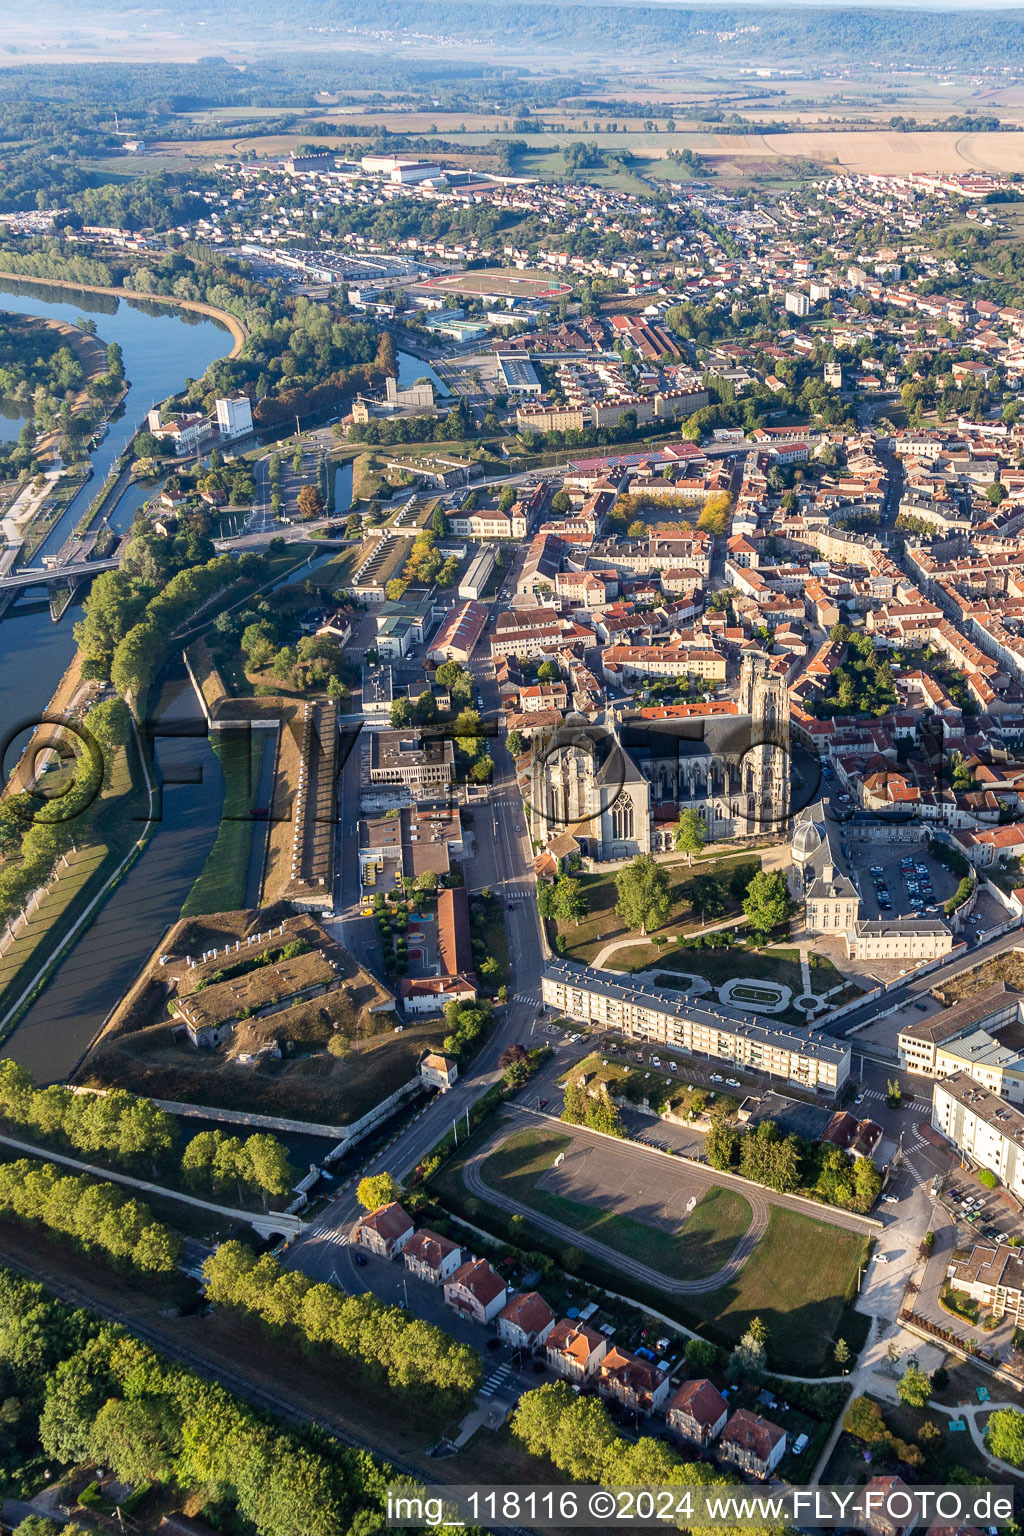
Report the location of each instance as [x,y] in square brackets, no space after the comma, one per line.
[900,879]
[980,1212]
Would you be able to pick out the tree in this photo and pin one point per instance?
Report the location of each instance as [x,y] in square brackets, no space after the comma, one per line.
[690,833]
[375,1190]
[548,672]
[643,894]
[767,904]
[841,1354]
[139,1438]
[516,743]
[401,713]
[1004,1434]
[570,902]
[311,503]
[706,896]
[748,1361]
[269,1167]
[914,1387]
[701,1355]
[721,1145]
[468,731]
[867,1182]
[438,521]
[714,517]
[454,676]
[893,1093]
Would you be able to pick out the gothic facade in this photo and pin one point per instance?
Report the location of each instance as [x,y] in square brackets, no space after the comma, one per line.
[618,788]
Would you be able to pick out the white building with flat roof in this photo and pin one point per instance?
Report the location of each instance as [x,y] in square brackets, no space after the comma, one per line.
[234,416]
[983,1127]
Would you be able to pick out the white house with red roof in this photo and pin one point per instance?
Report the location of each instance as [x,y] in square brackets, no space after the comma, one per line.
[526,1321]
[386,1230]
[476,1290]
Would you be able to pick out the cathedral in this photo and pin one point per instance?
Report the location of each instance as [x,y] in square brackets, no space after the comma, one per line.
[616,788]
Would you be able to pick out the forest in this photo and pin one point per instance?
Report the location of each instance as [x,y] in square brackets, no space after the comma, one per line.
[852,34]
[78,1391]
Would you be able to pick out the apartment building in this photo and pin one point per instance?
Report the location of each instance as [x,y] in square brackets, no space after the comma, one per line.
[431,1257]
[386,1231]
[574,1351]
[992,1274]
[526,1321]
[983,1127]
[752,1444]
[697,1413]
[632,661]
[930,1046]
[637,1384]
[646,1013]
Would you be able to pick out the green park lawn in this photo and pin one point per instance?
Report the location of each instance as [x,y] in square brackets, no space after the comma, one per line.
[796,1281]
[705,1242]
[721,965]
[602,925]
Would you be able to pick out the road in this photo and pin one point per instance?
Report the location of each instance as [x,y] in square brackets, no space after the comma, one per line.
[501,860]
[908,991]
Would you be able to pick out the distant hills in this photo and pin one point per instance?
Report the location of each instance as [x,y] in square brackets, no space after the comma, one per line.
[899,33]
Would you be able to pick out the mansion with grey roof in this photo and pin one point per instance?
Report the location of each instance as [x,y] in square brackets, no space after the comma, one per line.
[821,876]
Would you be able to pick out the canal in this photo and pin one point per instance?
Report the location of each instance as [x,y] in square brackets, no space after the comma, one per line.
[162,348]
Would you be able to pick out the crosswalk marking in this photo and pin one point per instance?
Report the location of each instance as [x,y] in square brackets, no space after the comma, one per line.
[495,1380]
[877,1095]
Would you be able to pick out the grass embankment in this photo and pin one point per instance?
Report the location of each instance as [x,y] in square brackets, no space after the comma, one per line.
[108,830]
[701,1246]
[661,1089]
[221,885]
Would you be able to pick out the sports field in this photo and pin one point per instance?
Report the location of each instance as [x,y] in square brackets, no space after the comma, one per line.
[674,1218]
[686,1228]
[504,283]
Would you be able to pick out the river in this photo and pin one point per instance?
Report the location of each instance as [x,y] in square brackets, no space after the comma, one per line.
[162,348]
